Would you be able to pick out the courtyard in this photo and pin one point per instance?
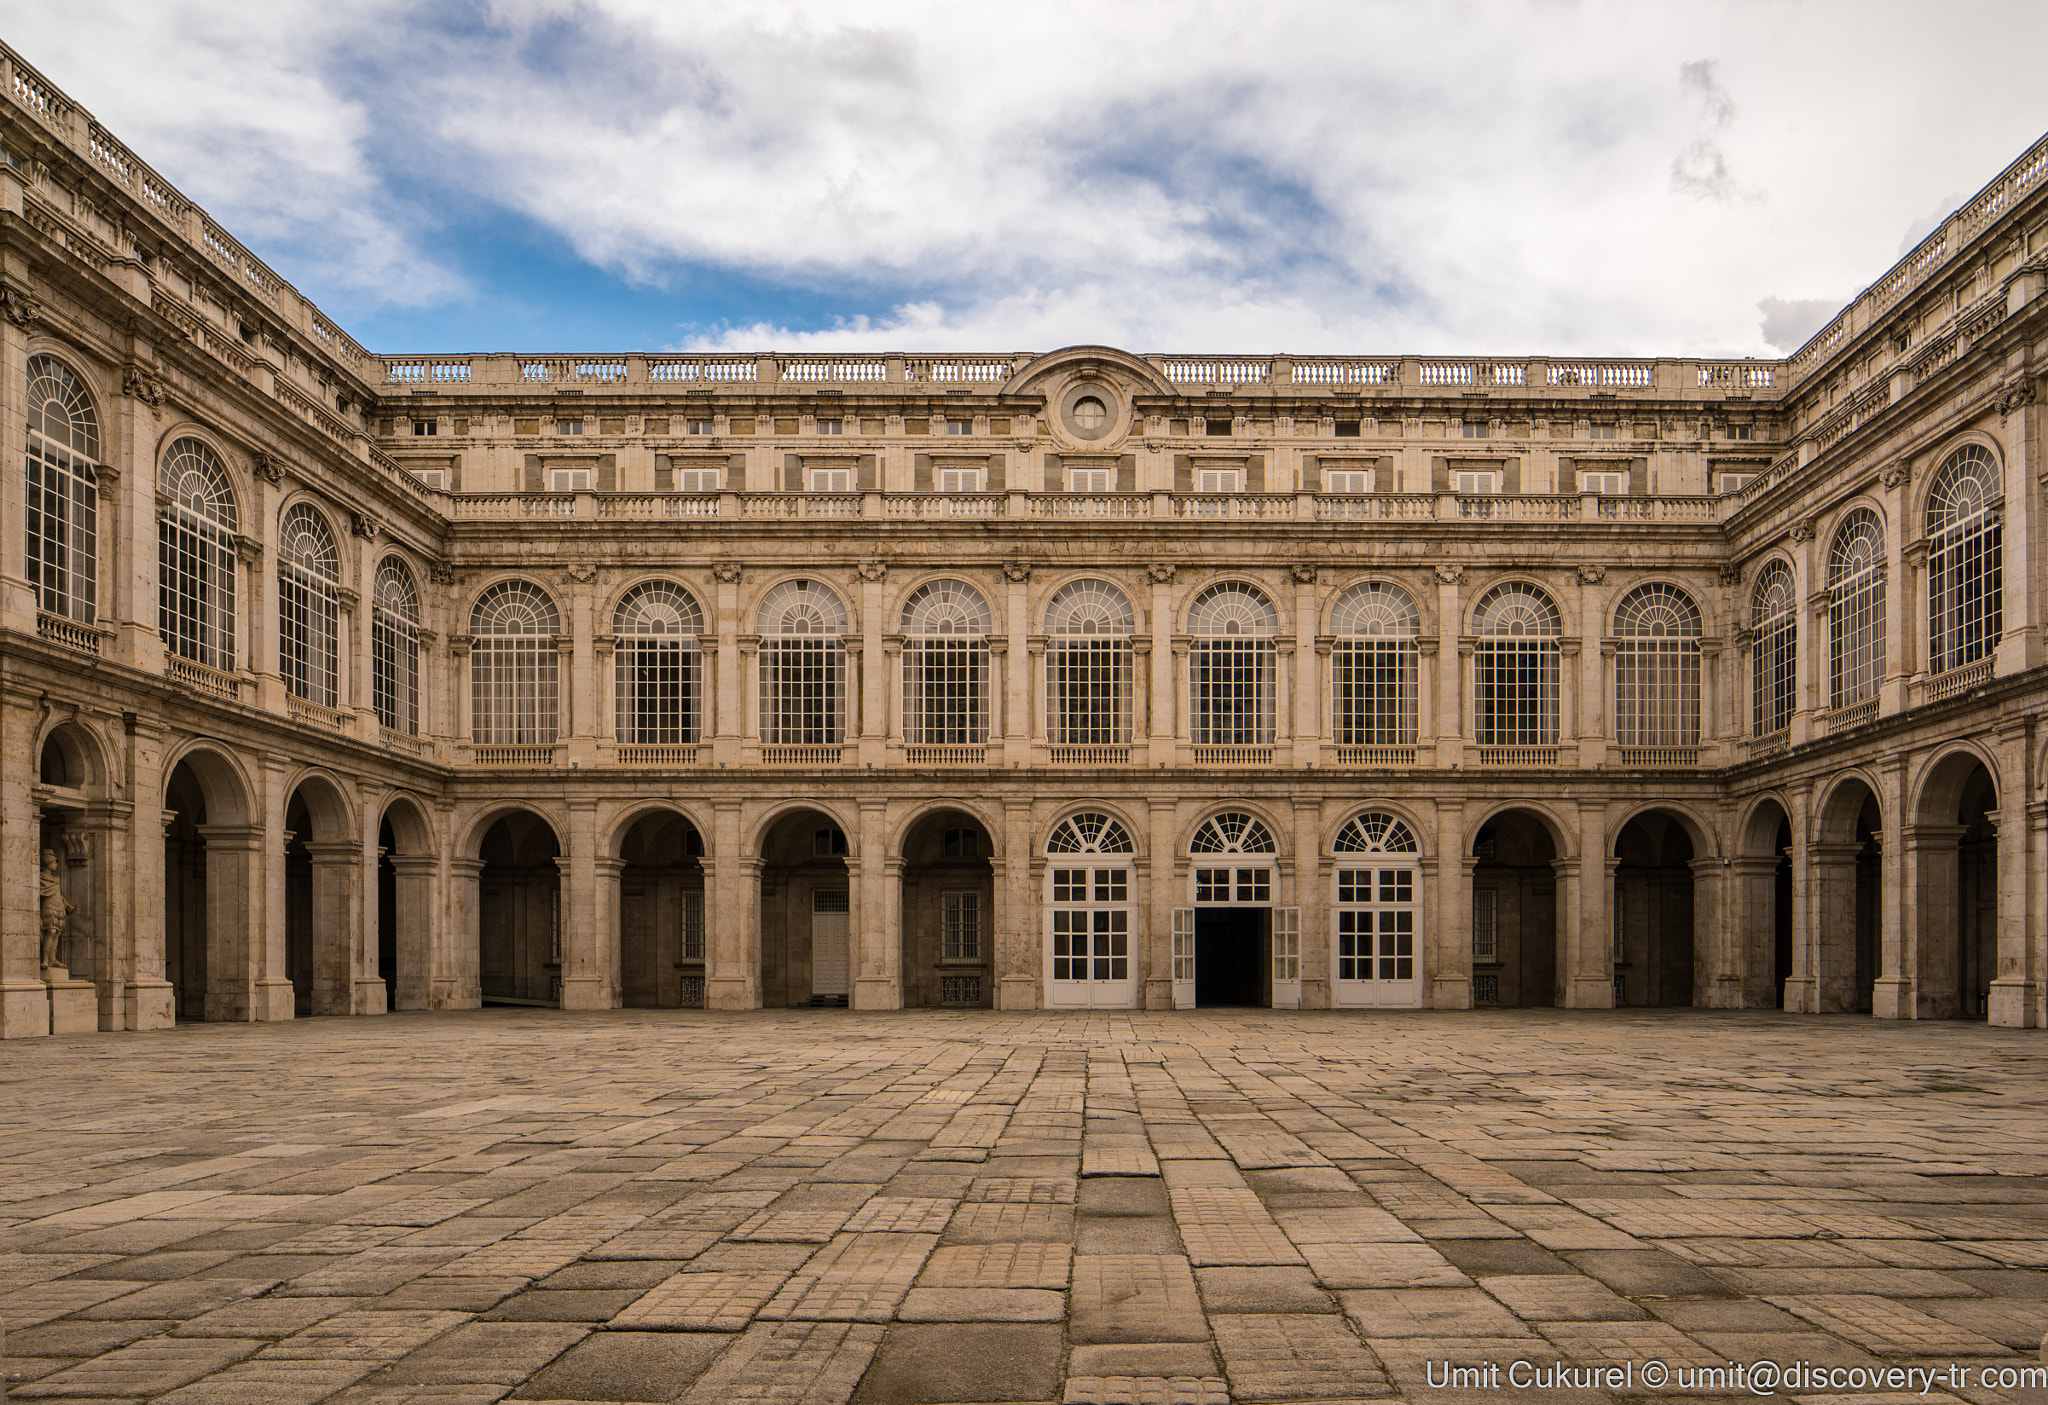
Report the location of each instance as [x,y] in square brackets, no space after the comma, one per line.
[953,1206]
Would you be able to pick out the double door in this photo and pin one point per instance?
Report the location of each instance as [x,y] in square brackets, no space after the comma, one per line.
[1376,944]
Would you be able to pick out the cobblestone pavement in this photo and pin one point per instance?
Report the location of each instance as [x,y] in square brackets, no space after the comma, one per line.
[823,1206]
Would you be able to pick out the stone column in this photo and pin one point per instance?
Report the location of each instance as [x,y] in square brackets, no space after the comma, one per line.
[1587,966]
[1901,601]
[876,724]
[994,730]
[1715,982]
[732,917]
[1897,977]
[1576,745]
[749,689]
[1141,691]
[338,974]
[1019,940]
[416,875]
[1311,895]
[455,978]
[1427,668]
[1283,710]
[1453,665]
[1021,663]
[875,945]
[2019,645]
[580,728]
[727,719]
[1164,716]
[890,684]
[235,855]
[147,998]
[1809,694]
[573,708]
[1831,879]
[1802,987]
[1161,894]
[2014,991]
[462,726]
[24,999]
[860,720]
[1447,908]
[272,995]
[1308,688]
[1753,956]
[1933,861]
[590,900]
[1711,706]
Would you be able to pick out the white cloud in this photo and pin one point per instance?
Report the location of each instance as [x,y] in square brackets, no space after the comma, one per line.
[1477,176]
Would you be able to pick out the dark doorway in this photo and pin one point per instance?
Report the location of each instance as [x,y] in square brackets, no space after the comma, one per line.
[185,903]
[1230,950]
[519,891]
[387,914]
[1781,910]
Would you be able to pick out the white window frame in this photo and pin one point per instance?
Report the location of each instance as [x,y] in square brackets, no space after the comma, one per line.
[1219,480]
[1349,481]
[1376,905]
[955,426]
[960,480]
[699,480]
[828,480]
[1091,480]
[1604,482]
[697,426]
[571,480]
[832,425]
[1100,910]
[1735,482]
[1476,481]
[432,477]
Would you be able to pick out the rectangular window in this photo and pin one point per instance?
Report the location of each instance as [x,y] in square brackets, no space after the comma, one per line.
[420,427]
[1376,924]
[1738,431]
[1373,691]
[954,426]
[829,480]
[962,927]
[655,679]
[945,691]
[568,480]
[1219,480]
[1091,480]
[1514,692]
[1485,925]
[432,477]
[960,480]
[1347,480]
[1087,691]
[1600,431]
[829,426]
[1735,482]
[1231,688]
[699,480]
[1213,425]
[1287,944]
[693,926]
[1468,482]
[696,426]
[1477,430]
[802,691]
[1233,885]
[1613,484]
[568,426]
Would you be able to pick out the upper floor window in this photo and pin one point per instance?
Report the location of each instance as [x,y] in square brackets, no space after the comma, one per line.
[959,426]
[1091,480]
[960,843]
[568,426]
[1233,832]
[1600,431]
[1737,431]
[696,426]
[395,648]
[1219,480]
[308,607]
[1606,483]
[1657,668]
[196,556]
[1373,666]
[1515,667]
[1774,649]
[1375,832]
[569,480]
[831,426]
[1964,559]
[1475,429]
[699,480]
[514,671]
[424,427]
[1856,572]
[1231,666]
[63,491]
[945,665]
[1089,832]
[1088,626]
[1090,414]
[1348,480]
[802,665]
[1472,481]
[829,480]
[960,480]
[656,666]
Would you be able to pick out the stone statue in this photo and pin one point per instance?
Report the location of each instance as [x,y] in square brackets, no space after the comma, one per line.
[56,909]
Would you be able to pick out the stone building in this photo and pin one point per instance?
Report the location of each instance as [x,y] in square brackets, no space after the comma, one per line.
[343,683]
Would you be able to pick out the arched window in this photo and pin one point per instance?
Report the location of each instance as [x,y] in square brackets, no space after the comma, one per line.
[1964,550]
[656,667]
[1088,625]
[196,557]
[1515,667]
[1856,609]
[308,612]
[1657,667]
[945,665]
[1231,669]
[1089,832]
[1378,913]
[1373,666]
[1375,832]
[395,648]
[1088,912]
[1774,649]
[514,677]
[803,665]
[63,491]
[1233,832]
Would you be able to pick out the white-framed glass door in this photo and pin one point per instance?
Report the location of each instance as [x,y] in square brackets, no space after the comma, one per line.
[1376,947]
[1089,917]
[1183,958]
[1287,958]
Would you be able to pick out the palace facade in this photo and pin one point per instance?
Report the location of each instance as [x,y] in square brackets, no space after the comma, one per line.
[340,683]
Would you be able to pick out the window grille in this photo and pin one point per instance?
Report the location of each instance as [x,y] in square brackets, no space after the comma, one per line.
[1089,832]
[1485,925]
[803,665]
[962,938]
[656,666]
[945,665]
[1856,571]
[1231,666]
[1515,667]
[1375,832]
[1657,668]
[1964,559]
[1774,649]
[196,557]
[1091,924]
[1376,915]
[1374,665]
[63,492]
[693,926]
[1088,626]
[514,680]
[395,648]
[308,611]
[1233,832]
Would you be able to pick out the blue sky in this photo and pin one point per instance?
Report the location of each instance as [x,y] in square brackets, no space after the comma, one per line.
[1492,178]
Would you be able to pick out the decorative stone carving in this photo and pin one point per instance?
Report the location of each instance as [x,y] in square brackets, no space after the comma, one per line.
[249,549]
[583,573]
[365,525]
[1730,573]
[1304,574]
[1592,575]
[56,910]
[142,383]
[1016,572]
[267,466]
[21,309]
[1449,573]
[440,573]
[2017,395]
[1801,532]
[872,571]
[77,846]
[1162,574]
[726,573]
[1898,475]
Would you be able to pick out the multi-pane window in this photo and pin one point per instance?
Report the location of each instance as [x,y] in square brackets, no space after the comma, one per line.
[308,608]
[1657,668]
[1856,609]
[1485,924]
[1473,481]
[1089,896]
[1231,666]
[1774,649]
[1347,480]
[961,915]
[62,559]
[395,648]
[1964,547]
[1373,666]
[514,674]
[1219,480]
[1091,480]
[960,480]
[196,556]
[1515,667]
[1375,924]
[1088,627]
[1233,885]
[945,665]
[1233,832]
[569,480]
[803,665]
[656,666]
[829,480]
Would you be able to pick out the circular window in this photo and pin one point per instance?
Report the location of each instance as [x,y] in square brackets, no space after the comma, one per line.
[1090,414]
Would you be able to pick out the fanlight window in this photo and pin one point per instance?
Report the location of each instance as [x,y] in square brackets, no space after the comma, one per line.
[1774,649]
[308,608]
[514,674]
[1231,666]
[1657,668]
[62,557]
[802,665]
[1374,665]
[1089,832]
[196,557]
[1088,625]
[1515,667]
[395,648]
[656,666]
[1856,571]
[1965,564]
[1233,832]
[1375,832]
[945,665]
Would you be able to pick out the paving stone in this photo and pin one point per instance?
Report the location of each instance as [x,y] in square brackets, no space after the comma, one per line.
[263,1317]
[1628,1341]
[1382,1266]
[1283,1356]
[982,1305]
[1345,1226]
[2019,1325]
[1028,1265]
[486,1353]
[1482,1258]
[1887,1328]
[1146,1390]
[1023,1190]
[789,1363]
[44,1302]
[1428,1312]
[1135,1298]
[902,1214]
[152,1366]
[601,1276]
[78,1339]
[857,1278]
[561,1306]
[187,1298]
[703,1302]
[1560,1297]
[1262,1289]
[1145,1359]
[1126,1234]
[1121,1157]
[1887,1282]
[1123,1195]
[1647,1273]
[920,1363]
[625,1366]
[368,1273]
[791,1226]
